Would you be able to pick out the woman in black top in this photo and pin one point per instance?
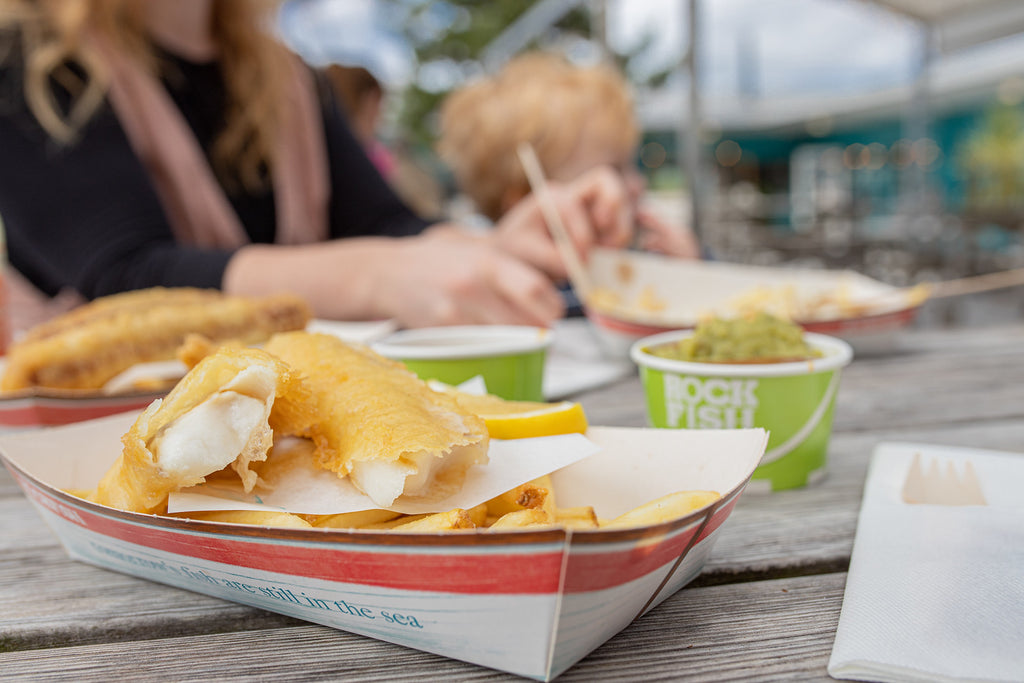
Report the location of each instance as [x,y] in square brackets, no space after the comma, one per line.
[83,211]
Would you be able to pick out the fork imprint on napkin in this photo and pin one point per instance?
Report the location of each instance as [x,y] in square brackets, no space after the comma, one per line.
[942,485]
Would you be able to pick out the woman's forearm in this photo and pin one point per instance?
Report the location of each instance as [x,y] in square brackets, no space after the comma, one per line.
[443,277]
[337,278]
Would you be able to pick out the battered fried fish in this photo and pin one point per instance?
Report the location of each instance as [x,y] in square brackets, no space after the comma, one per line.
[381,425]
[224,412]
[86,347]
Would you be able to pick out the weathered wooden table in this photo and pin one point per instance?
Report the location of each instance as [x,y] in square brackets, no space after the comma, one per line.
[766,607]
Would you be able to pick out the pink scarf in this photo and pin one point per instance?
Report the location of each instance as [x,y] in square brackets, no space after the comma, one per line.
[195,204]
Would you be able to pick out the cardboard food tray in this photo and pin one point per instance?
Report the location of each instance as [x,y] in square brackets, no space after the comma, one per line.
[49,407]
[45,408]
[528,602]
[689,290]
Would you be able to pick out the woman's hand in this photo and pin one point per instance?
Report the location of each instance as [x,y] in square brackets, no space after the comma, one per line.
[666,238]
[446,277]
[595,209]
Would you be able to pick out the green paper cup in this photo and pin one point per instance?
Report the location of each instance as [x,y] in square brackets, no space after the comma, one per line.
[794,401]
[510,358]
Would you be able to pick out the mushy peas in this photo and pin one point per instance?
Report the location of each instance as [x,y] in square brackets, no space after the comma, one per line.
[760,338]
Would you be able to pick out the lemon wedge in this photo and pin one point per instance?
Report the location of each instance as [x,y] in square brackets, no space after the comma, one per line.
[555,418]
[524,419]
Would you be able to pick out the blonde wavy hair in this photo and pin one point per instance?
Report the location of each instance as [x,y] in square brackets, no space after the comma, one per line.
[51,34]
[540,98]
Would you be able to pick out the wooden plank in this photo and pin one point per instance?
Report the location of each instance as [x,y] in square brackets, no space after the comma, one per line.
[932,389]
[50,601]
[8,488]
[964,339]
[21,528]
[780,629]
[618,405]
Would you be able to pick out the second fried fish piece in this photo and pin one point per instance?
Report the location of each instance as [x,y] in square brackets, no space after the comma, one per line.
[224,412]
[379,424]
[88,346]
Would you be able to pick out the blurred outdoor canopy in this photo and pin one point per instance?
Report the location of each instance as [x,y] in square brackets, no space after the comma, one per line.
[882,135]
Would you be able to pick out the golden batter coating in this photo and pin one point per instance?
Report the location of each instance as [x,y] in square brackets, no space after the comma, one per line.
[224,412]
[381,425]
[88,346]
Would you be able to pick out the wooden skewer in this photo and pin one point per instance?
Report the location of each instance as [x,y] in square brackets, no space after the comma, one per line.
[578,275]
[977,283]
[919,293]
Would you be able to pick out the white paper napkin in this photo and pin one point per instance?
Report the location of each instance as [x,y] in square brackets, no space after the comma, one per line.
[304,488]
[576,363]
[935,593]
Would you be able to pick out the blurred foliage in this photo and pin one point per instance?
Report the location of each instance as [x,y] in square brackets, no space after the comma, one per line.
[992,158]
[450,37]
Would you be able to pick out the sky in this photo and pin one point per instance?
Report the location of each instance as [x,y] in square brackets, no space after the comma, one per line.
[347,32]
[754,47]
[788,46]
